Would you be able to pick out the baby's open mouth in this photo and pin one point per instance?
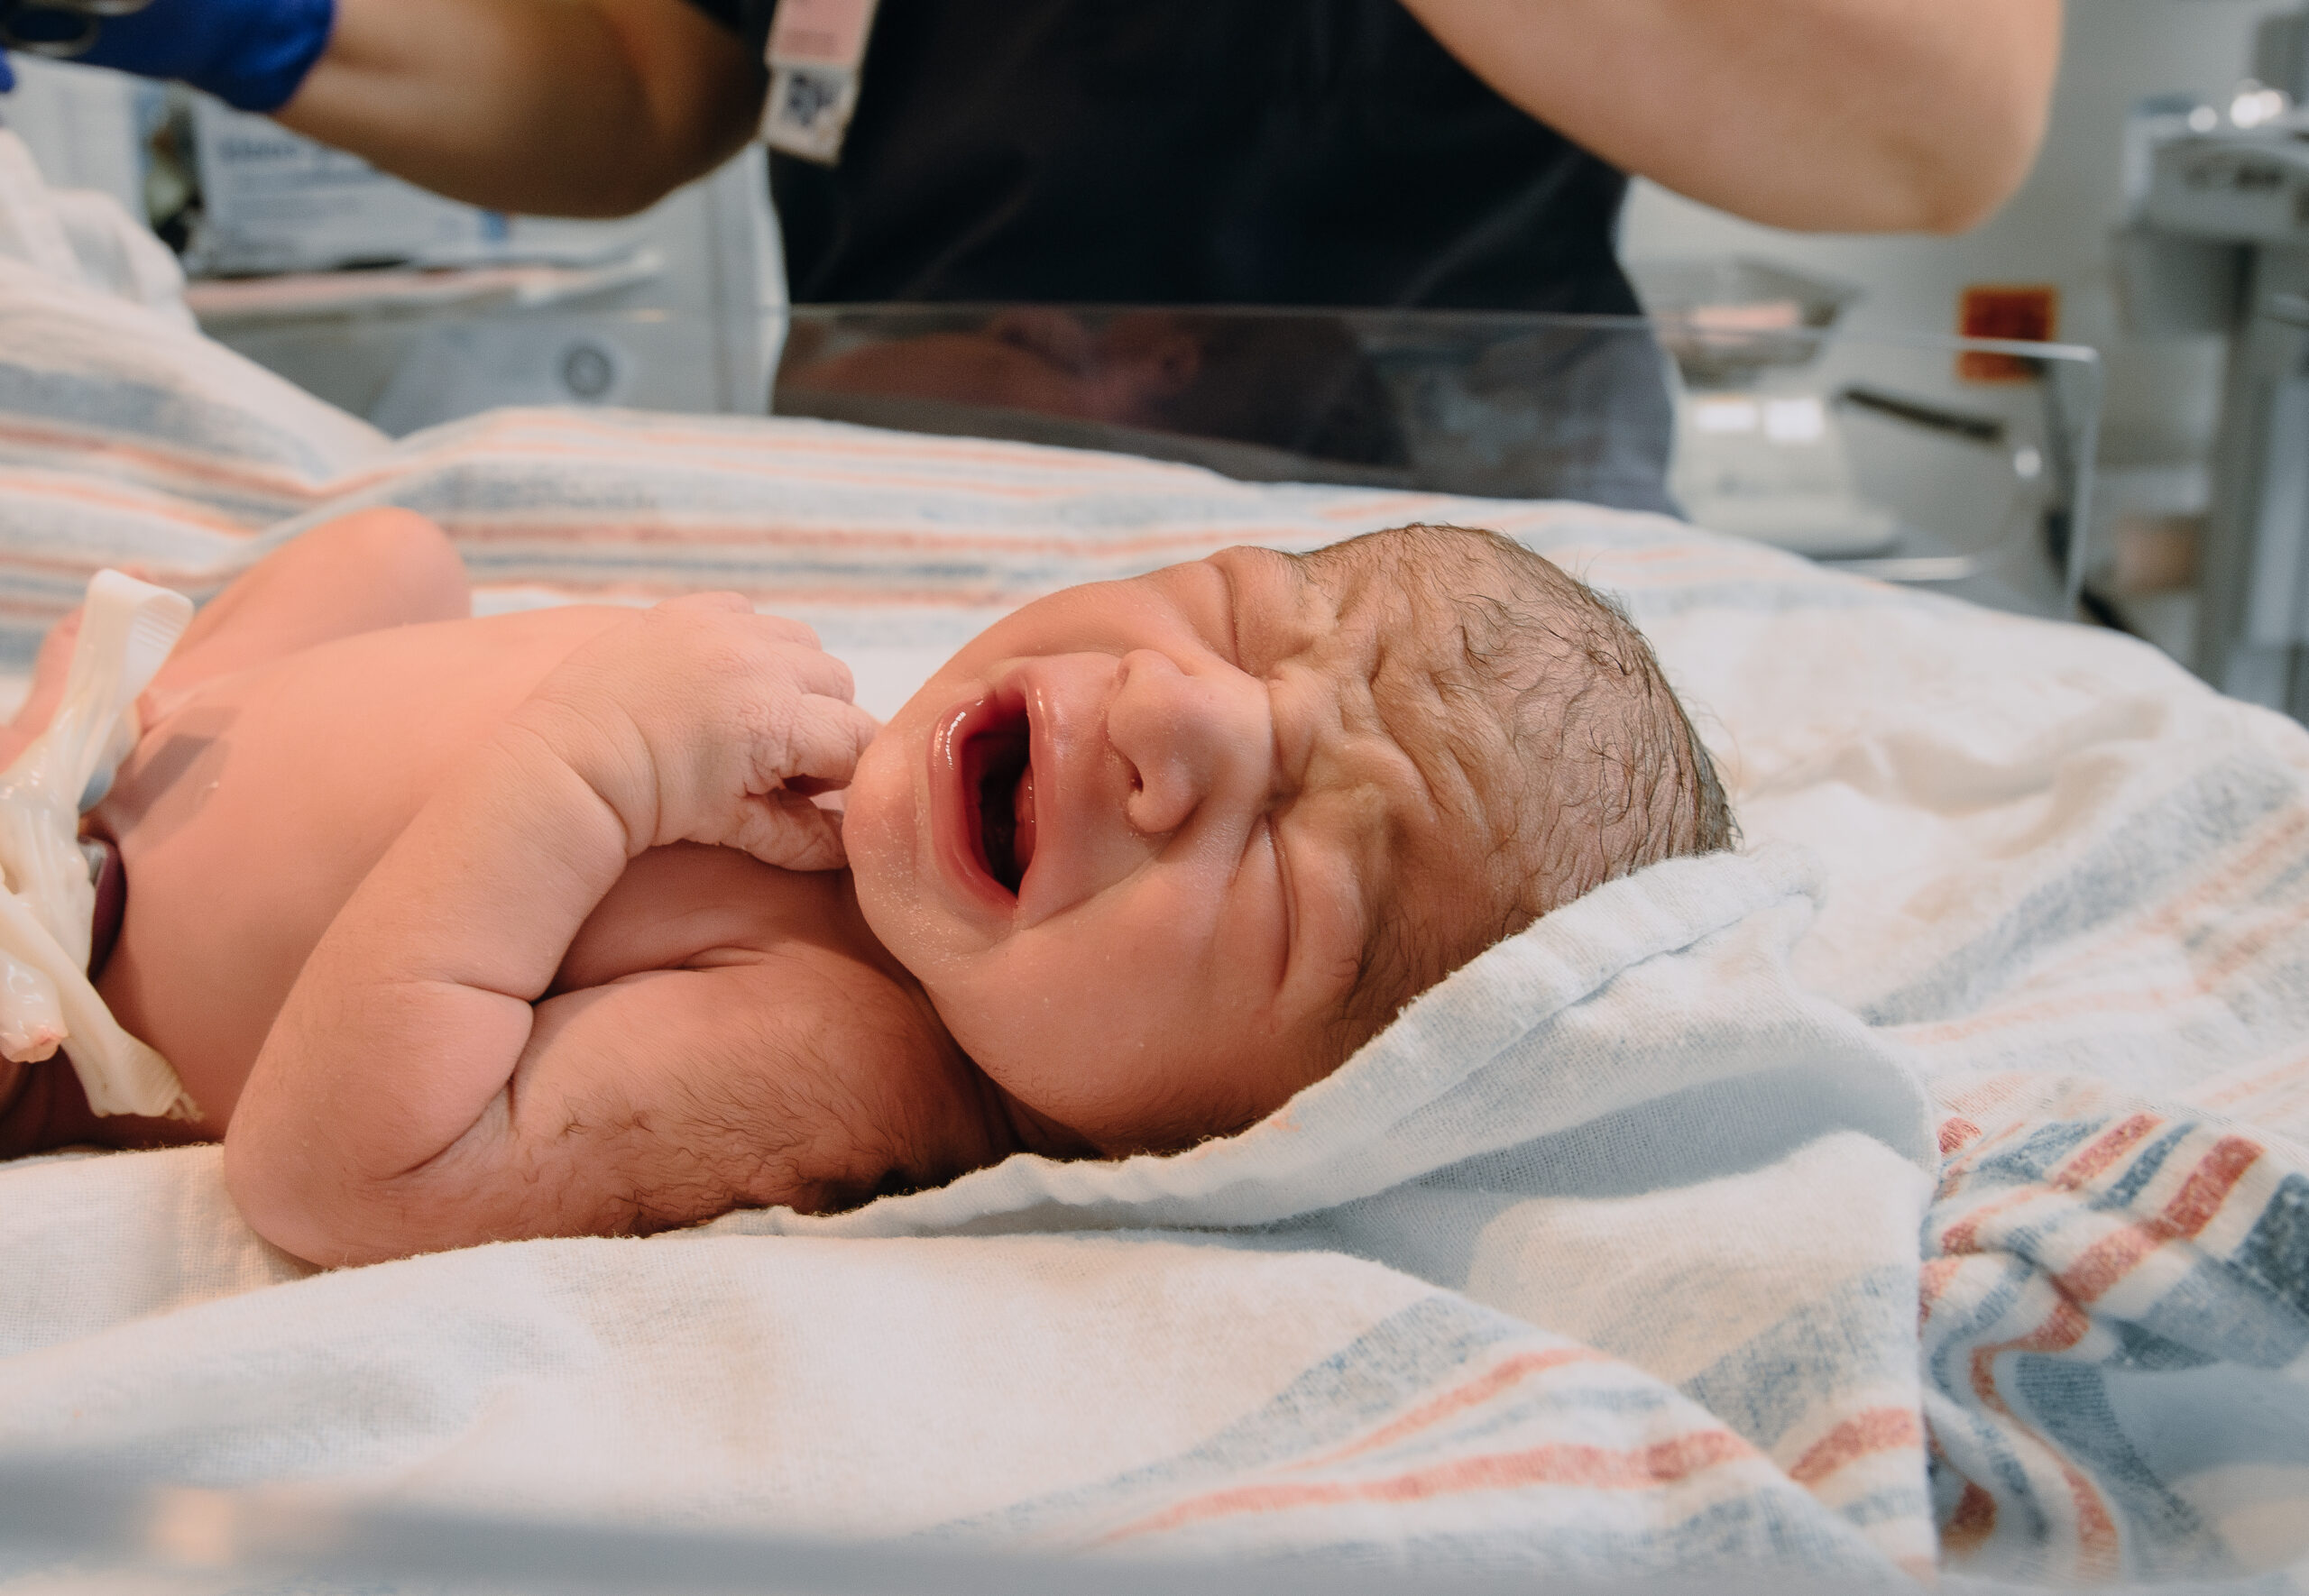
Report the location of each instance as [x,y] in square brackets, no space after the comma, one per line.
[998,774]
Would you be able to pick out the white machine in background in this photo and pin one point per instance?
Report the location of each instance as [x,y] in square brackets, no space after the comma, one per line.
[1760,450]
[2219,242]
[411,309]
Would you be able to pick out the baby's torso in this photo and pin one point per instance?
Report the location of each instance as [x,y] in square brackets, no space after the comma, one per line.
[255,803]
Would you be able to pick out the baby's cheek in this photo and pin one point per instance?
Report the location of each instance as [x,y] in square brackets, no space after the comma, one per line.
[876,833]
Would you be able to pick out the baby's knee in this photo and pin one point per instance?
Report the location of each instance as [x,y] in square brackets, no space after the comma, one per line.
[408,555]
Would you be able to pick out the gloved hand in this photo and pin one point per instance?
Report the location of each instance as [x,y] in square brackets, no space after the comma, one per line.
[249,53]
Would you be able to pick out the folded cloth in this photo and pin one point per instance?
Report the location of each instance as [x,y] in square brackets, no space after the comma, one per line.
[77,236]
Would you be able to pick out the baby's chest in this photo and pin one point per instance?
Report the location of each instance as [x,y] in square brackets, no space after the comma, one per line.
[263,798]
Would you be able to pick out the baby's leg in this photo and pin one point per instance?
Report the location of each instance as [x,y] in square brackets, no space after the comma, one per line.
[362,573]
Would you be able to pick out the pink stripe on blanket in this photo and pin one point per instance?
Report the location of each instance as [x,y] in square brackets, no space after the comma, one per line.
[1963,1236]
[159,459]
[2192,1208]
[1512,1371]
[1563,1465]
[1864,1435]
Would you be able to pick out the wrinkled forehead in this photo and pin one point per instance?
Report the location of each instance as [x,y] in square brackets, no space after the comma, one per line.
[1343,611]
[1258,606]
[1420,762]
[1384,652]
[1367,617]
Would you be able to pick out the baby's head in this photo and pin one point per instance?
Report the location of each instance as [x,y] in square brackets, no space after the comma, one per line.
[1165,851]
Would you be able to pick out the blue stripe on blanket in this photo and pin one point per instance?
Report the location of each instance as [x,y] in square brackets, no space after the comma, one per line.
[1774,1380]
[2146,857]
[2276,1253]
[109,408]
[1408,1355]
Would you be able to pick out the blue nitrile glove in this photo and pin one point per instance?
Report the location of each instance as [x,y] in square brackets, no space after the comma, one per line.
[249,53]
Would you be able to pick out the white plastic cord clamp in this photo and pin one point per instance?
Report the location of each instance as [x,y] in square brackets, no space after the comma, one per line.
[127,630]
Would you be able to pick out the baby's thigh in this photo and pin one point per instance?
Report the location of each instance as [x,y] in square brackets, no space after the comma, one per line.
[367,571]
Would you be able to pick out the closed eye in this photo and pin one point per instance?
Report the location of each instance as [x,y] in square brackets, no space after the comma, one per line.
[1289,893]
[1232,629]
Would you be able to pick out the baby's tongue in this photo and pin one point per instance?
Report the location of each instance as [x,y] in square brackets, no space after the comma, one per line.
[1022,816]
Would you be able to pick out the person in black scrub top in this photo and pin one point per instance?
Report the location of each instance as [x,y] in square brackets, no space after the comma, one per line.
[1459,153]
[1204,151]
[1450,152]
[1323,152]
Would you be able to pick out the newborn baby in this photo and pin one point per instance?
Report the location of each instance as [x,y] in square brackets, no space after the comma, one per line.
[460,929]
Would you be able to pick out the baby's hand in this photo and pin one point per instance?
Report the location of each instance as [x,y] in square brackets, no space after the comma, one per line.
[700,721]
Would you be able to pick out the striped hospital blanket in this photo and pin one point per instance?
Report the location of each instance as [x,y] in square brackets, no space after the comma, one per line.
[1627,1250]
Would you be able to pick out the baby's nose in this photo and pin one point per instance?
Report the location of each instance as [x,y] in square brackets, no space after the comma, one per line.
[1182,736]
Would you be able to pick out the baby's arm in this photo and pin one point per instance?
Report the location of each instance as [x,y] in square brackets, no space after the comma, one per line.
[414,1093]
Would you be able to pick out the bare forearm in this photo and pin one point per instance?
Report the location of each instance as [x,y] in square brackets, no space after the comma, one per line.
[566,108]
[387,1074]
[413,1091]
[1847,115]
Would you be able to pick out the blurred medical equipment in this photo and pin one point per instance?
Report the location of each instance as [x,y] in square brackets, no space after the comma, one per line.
[58,29]
[2218,242]
[411,309]
[87,130]
[1759,448]
[1829,444]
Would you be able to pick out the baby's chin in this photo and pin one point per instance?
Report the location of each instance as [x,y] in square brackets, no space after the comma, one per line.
[1085,1105]
[884,836]
[876,829]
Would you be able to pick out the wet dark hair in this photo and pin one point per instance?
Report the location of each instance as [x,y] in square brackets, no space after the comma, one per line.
[1553,699]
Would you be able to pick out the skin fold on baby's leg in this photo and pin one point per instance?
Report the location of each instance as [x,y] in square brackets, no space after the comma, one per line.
[360,573]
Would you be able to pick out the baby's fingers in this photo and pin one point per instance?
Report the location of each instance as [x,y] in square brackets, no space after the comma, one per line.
[792,667]
[789,831]
[823,738]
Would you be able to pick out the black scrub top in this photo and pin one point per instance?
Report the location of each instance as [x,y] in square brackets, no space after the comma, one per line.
[1188,152]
